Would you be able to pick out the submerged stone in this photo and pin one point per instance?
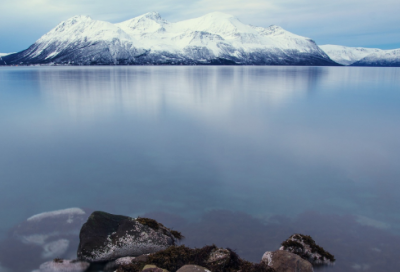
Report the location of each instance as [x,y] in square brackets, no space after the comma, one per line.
[60,265]
[43,237]
[107,237]
[283,261]
[305,247]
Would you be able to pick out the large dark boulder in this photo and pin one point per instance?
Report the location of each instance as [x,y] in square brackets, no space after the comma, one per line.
[107,237]
[283,261]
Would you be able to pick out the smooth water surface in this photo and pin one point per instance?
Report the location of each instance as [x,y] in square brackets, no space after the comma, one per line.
[237,156]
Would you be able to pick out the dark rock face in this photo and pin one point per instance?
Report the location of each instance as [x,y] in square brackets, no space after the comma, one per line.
[59,265]
[283,261]
[193,268]
[107,237]
[306,248]
[41,238]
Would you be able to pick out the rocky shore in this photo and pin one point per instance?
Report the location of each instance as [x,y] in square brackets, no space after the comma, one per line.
[116,243]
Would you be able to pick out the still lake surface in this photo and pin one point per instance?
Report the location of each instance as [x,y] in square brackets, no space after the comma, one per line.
[242,157]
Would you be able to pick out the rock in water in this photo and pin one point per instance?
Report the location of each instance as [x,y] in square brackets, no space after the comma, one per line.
[59,265]
[283,261]
[305,247]
[107,237]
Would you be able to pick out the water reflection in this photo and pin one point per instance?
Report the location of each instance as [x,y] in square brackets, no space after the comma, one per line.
[198,91]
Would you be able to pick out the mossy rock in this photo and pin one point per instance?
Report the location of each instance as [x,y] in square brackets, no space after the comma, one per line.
[306,248]
[284,261]
[107,237]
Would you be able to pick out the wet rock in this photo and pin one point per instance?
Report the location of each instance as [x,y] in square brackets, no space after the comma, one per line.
[107,237]
[192,268]
[60,265]
[111,266]
[283,261]
[305,247]
[43,237]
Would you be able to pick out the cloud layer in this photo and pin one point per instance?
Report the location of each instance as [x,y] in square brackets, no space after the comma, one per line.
[365,23]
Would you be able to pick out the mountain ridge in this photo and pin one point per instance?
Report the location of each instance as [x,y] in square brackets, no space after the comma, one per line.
[362,56]
[215,38]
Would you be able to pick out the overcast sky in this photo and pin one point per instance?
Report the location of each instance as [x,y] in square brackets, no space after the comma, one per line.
[367,23]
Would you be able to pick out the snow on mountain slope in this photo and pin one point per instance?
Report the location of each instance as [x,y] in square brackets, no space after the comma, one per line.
[347,55]
[215,38]
[386,58]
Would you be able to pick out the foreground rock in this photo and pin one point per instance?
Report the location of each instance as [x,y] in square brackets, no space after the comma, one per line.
[43,237]
[208,258]
[59,265]
[306,248]
[283,261]
[107,237]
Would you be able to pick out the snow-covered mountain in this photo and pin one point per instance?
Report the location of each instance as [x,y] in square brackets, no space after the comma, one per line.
[215,38]
[347,55]
[387,58]
[360,56]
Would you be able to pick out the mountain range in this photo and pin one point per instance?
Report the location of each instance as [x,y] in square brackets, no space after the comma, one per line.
[360,56]
[215,38]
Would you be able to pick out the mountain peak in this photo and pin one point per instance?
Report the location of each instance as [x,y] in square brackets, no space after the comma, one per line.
[152,15]
[71,22]
[79,18]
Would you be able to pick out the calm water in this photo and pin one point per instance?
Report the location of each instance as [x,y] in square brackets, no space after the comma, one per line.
[237,156]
